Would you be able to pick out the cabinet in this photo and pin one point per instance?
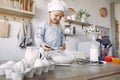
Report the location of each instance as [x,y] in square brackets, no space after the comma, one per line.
[19,8]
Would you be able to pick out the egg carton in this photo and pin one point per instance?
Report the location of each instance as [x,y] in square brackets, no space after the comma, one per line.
[4,66]
[19,72]
[7,70]
[10,74]
[44,69]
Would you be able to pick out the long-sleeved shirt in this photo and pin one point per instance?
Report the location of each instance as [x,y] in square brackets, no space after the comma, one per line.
[51,34]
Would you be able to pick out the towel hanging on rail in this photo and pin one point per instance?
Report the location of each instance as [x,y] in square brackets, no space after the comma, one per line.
[25,35]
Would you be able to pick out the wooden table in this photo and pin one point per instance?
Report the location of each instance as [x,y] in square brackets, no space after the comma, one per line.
[109,71]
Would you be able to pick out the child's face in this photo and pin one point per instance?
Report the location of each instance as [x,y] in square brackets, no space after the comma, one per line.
[56,16]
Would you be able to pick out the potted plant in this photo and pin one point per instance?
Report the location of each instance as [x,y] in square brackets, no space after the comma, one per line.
[92,32]
[83,14]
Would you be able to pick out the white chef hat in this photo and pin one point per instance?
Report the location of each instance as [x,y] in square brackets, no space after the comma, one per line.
[57,5]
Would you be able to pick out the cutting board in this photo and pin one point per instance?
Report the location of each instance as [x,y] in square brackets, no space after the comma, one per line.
[4,29]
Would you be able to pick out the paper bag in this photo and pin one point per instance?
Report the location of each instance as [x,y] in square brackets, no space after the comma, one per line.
[4,29]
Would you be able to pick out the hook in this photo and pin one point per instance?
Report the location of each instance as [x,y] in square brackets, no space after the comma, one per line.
[5,18]
[29,21]
[14,18]
[23,19]
[70,23]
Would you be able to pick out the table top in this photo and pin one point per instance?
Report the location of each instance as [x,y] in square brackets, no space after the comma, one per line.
[78,72]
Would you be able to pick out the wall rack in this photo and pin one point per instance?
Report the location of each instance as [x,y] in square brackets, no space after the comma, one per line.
[77,22]
[17,10]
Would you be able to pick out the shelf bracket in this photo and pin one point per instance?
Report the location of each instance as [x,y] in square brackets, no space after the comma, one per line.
[82,26]
[70,23]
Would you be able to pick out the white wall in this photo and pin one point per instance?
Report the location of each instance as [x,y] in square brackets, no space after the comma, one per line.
[9,48]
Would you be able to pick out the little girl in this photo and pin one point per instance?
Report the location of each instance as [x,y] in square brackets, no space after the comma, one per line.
[50,35]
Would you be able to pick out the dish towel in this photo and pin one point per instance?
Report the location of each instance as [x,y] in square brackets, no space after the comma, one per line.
[25,35]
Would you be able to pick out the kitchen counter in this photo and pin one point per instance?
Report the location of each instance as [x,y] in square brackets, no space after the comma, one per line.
[109,71]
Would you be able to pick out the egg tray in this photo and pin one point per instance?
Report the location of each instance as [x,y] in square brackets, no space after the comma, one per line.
[28,73]
[8,73]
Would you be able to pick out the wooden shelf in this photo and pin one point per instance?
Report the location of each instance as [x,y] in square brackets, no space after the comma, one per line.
[77,22]
[69,34]
[17,12]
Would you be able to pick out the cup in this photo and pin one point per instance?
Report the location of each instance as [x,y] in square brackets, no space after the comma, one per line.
[73,17]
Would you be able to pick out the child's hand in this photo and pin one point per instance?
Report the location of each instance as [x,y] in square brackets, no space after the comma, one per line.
[63,47]
[46,47]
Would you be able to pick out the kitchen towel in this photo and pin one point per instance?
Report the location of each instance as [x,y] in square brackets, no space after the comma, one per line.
[25,35]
